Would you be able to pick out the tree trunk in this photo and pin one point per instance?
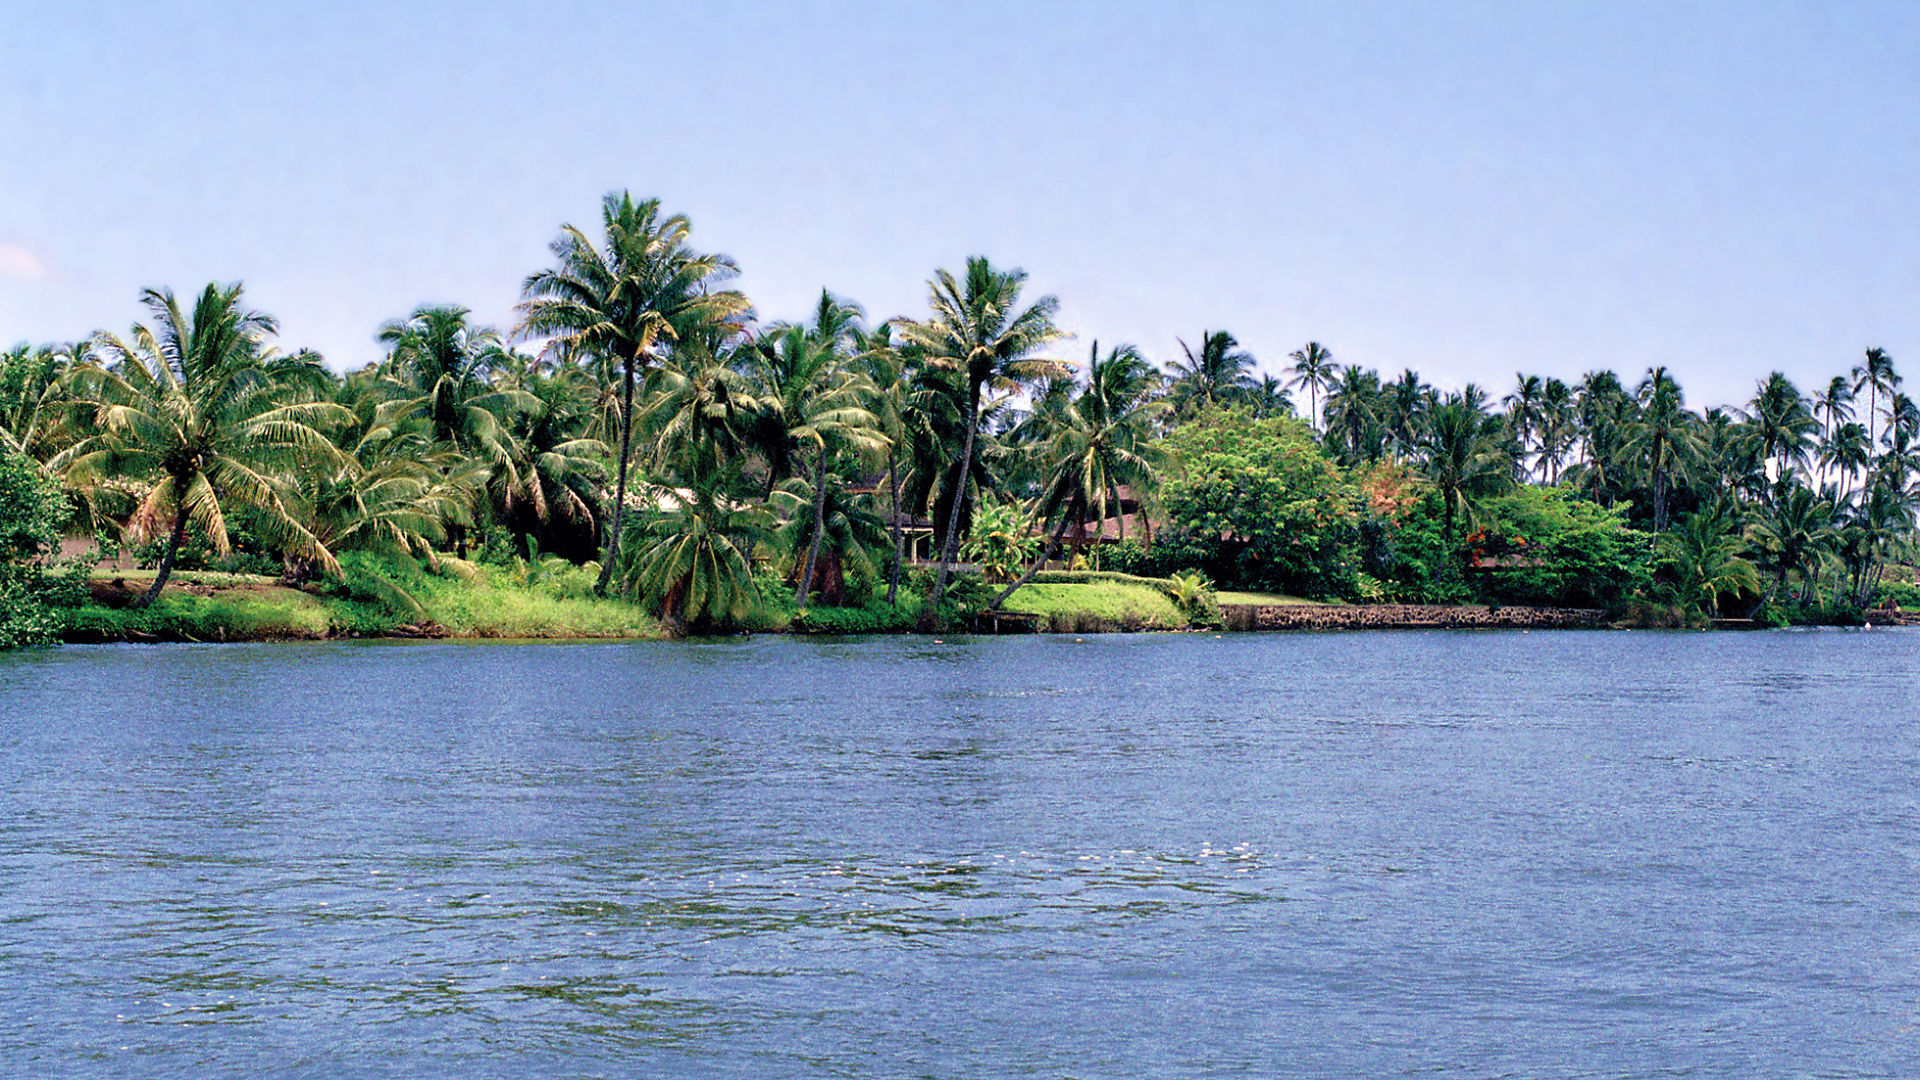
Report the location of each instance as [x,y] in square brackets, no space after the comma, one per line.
[819,529]
[174,539]
[1046,556]
[930,618]
[893,513]
[620,486]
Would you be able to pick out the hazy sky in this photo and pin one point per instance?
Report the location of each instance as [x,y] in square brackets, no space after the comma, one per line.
[1468,189]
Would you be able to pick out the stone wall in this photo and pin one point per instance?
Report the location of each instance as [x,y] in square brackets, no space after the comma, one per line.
[1404,616]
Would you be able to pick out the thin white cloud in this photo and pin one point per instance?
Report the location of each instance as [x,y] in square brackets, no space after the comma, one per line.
[18,262]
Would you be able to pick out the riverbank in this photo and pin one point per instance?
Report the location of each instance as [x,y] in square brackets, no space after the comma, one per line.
[495,603]
[204,606]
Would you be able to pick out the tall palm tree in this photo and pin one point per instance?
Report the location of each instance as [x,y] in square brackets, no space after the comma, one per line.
[1792,533]
[1845,451]
[1833,407]
[619,301]
[1663,438]
[1093,446]
[1355,420]
[1314,369]
[978,330]
[1557,428]
[814,404]
[1783,424]
[1523,412]
[1219,372]
[1462,457]
[190,405]
[439,363]
[1877,376]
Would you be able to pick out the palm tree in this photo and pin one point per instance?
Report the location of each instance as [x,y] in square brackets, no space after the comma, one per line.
[1833,408]
[190,404]
[392,490]
[1523,412]
[977,330]
[1314,369]
[1845,451]
[839,528]
[1557,428]
[1783,424]
[1095,445]
[1792,533]
[1406,407]
[1463,456]
[439,362]
[690,561]
[620,301]
[1218,373]
[813,404]
[1356,428]
[1705,553]
[1876,374]
[1270,399]
[1663,438]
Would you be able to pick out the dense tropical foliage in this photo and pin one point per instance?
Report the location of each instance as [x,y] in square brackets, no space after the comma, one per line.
[640,429]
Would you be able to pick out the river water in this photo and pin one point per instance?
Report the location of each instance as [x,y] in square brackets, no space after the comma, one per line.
[1341,855]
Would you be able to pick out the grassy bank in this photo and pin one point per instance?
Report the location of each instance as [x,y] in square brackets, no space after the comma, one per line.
[481,603]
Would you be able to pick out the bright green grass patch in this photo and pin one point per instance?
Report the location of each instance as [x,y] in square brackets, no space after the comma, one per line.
[255,613]
[488,606]
[1261,598]
[1098,606]
[487,603]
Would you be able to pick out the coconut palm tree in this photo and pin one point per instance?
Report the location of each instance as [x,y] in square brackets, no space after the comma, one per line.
[690,561]
[189,405]
[1792,533]
[841,530]
[618,302]
[1093,446]
[1705,553]
[1270,399]
[1523,413]
[1313,369]
[1217,373]
[1877,377]
[1833,407]
[812,405]
[1663,438]
[1463,456]
[439,364]
[1558,428]
[1355,420]
[1783,423]
[979,331]
[1845,451]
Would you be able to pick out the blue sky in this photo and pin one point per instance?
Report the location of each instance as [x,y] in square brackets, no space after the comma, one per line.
[1468,189]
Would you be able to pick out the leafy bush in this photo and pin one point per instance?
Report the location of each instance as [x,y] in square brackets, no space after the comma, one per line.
[31,509]
[876,618]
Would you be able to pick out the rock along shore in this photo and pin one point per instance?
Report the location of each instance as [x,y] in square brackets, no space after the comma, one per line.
[1406,617]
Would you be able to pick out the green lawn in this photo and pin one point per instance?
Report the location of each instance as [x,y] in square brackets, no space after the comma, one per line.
[1103,605]
[1261,598]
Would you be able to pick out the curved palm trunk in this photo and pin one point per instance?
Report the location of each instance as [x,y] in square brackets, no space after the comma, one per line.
[951,546]
[819,529]
[174,539]
[1053,545]
[620,486]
